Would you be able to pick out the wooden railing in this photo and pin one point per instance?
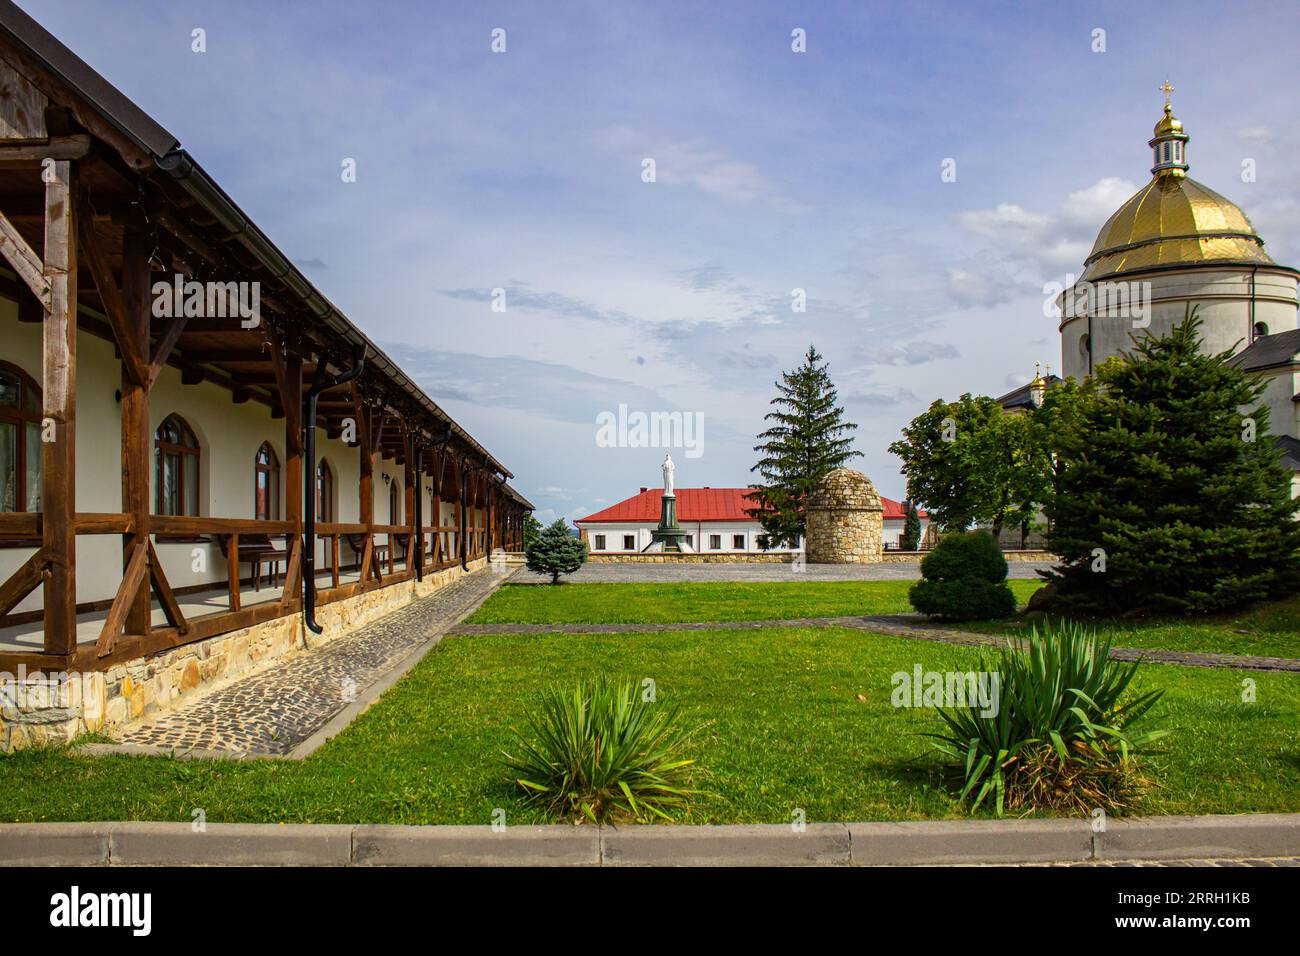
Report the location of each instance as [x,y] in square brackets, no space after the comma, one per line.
[375,547]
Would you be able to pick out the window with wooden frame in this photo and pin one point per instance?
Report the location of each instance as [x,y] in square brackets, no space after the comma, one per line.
[629,542]
[20,440]
[176,468]
[324,491]
[266,484]
[395,502]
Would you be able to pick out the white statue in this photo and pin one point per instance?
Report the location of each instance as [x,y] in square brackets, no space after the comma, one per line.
[669,468]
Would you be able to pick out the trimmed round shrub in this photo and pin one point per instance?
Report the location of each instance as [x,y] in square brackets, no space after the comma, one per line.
[964,579]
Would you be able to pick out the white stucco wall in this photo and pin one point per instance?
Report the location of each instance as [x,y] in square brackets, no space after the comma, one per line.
[228,435]
[1223,295]
[699,530]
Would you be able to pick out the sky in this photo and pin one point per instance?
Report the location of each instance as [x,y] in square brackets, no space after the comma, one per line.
[525,171]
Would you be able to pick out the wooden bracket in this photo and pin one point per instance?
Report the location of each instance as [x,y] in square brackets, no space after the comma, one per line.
[22,582]
[25,261]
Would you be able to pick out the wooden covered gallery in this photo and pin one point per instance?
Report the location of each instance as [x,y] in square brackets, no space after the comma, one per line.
[153,446]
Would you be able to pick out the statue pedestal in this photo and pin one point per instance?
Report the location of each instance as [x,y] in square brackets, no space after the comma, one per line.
[669,536]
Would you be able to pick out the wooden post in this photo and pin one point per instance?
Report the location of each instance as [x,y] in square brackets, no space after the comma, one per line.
[59,381]
[436,504]
[288,374]
[366,505]
[137,448]
[410,488]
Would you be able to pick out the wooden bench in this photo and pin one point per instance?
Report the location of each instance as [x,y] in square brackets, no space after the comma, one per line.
[256,549]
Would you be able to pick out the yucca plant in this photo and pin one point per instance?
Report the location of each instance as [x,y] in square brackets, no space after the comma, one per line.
[600,752]
[1064,735]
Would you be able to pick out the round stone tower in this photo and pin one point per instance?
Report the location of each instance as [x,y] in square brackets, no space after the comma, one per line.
[845,520]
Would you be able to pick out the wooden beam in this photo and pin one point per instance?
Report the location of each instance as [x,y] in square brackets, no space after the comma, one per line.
[137,435]
[137,570]
[58,147]
[59,378]
[25,261]
[125,328]
[22,582]
[292,573]
[232,570]
[163,349]
[170,608]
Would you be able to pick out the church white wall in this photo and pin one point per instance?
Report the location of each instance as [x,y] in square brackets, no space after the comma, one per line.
[1224,297]
[1283,413]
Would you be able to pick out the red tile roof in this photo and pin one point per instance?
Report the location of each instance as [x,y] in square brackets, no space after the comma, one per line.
[699,504]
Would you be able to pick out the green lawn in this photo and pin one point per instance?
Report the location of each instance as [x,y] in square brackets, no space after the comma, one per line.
[667,603]
[1266,630]
[1269,630]
[787,730]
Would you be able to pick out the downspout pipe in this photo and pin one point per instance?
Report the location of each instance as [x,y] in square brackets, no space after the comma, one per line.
[309,487]
[418,543]
[464,536]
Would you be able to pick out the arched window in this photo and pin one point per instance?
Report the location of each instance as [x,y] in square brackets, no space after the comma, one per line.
[395,503]
[266,485]
[176,468]
[20,440]
[324,492]
[1260,330]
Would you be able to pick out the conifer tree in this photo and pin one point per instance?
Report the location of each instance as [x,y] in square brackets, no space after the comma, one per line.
[805,441]
[555,551]
[1170,494]
[910,538]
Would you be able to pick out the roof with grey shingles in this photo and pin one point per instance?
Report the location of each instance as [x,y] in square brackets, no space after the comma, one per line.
[1269,351]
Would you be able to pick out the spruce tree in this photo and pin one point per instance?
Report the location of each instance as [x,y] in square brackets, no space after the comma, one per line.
[555,551]
[1170,494]
[910,538]
[805,441]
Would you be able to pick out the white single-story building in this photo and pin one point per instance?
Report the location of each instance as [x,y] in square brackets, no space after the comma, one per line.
[714,519]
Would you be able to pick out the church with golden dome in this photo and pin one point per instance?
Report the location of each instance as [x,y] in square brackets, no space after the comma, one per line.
[1177,243]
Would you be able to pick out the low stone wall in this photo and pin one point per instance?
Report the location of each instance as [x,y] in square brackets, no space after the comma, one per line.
[1030,556]
[776,557]
[753,557]
[38,710]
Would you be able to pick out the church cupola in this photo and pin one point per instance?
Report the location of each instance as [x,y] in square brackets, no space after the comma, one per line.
[1169,145]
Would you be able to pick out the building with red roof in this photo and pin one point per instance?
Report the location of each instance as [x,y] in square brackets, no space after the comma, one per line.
[715,520]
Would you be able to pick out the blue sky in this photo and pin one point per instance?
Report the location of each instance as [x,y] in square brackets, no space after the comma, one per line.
[775,171]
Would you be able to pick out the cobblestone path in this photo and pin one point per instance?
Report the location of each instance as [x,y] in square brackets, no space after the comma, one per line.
[898,625]
[272,711]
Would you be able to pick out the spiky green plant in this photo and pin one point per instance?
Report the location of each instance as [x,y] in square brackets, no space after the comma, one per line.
[600,751]
[1066,713]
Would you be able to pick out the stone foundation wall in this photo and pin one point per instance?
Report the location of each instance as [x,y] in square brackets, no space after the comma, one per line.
[36,711]
[739,557]
[1027,556]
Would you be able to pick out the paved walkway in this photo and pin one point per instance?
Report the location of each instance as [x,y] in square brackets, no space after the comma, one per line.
[270,712]
[598,572]
[898,625]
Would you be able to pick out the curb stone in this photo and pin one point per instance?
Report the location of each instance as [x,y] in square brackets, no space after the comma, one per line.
[925,843]
[230,844]
[944,842]
[768,844]
[555,845]
[1165,838]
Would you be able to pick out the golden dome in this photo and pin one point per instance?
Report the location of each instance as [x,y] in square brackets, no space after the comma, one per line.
[1173,220]
[1169,123]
